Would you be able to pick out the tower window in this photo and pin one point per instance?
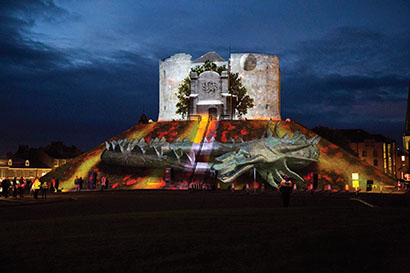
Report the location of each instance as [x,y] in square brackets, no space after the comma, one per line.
[375,162]
[364,153]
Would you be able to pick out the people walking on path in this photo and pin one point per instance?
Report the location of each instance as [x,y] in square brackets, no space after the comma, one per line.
[285,189]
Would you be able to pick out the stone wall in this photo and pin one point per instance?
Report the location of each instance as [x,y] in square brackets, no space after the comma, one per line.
[171,73]
[260,74]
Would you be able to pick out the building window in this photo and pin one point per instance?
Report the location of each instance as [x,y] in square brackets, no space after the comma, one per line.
[10,162]
[27,163]
[63,161]
[403,158]
[55,162]
[364,153]
[375,153]
[375,162]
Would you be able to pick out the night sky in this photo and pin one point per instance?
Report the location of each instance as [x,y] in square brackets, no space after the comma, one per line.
[82,71]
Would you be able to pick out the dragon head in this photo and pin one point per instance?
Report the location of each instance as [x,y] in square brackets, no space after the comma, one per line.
[272,156]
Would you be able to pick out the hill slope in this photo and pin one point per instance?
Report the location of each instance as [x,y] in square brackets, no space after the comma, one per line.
[335,166]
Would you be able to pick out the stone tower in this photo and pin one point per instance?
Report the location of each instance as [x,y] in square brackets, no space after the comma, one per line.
[260,74]
[171,73]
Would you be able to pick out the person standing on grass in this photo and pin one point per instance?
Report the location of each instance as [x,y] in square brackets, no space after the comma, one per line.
[106,182]
[44,188]
[53,185]
[57,184]
[103,181]
[22,185]
[285,189]
[81,182]
[5,184]
[14,187]
[77,184]
[36,187]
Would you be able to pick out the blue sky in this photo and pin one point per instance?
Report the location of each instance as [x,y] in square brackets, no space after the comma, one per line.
[81,71]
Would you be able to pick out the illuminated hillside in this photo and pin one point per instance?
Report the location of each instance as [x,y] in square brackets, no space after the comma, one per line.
[335,166]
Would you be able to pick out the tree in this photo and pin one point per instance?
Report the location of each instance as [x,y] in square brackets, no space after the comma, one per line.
[243,103]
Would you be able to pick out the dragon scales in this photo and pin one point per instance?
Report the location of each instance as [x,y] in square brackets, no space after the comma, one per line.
[272,156]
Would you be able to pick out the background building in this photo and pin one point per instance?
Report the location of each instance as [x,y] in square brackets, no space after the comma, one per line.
[32,162]
[406,135]
[377,150]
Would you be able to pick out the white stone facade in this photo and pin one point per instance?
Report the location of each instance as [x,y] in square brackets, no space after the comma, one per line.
[259,73]
[171,73]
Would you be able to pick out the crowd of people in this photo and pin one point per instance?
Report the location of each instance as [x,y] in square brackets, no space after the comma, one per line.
[91,183]
[18,187]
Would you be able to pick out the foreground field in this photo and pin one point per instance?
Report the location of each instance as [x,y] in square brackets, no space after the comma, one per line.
[140,231]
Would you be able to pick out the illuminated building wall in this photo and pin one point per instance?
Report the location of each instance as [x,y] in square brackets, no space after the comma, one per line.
[402,164]
[376,150]
[171,73]
[259,73]
[335,165]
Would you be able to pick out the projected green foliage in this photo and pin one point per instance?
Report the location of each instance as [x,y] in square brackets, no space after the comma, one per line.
[244,102]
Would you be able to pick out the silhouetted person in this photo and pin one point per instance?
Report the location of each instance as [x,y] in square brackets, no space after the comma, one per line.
[81,181]
[53,185]
[44,188]
[15,186]
[94,180]
[286,189]
[57,184]
[77,184]
[5,184]
[22,185]
[106,182]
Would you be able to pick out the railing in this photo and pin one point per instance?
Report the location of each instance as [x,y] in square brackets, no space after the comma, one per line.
[195,117]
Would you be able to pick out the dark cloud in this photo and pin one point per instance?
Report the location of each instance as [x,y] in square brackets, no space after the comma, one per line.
[348,79]
[89,78]
[70,95]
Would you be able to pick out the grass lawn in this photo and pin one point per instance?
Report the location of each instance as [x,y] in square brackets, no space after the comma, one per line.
[348,238]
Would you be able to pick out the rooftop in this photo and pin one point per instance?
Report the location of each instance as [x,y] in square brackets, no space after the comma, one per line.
[210,56]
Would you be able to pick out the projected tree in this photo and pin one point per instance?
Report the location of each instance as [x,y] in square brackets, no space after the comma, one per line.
[243,103]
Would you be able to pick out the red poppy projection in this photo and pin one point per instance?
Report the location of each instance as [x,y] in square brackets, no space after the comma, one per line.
[333,167]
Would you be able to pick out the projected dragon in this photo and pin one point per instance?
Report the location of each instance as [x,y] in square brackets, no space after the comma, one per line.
[272,156]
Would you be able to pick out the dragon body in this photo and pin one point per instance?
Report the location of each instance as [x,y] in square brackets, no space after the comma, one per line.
[272,156]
